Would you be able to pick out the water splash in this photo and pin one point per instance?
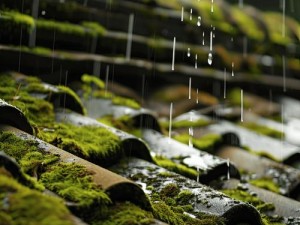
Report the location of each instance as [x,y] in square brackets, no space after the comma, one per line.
[232,66]
[189,52]
[129,36]
[190,87]
[284,73]
[225,74]
[170,121]
[209,60]
[242,105]
[182,13]
[191,14]
[199,21]
[173,56]
[196,61]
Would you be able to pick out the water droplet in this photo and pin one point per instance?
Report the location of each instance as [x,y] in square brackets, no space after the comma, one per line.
[203,38]
[197,101]
[191,14]
[182,13]
[228,169]
[199,21]
[209,60]
[190,87]
[173,58]
[189,52]
[196,61]
[212,6]
[210,44]
[242,105]
[43,12]
[170,121]
[232,66]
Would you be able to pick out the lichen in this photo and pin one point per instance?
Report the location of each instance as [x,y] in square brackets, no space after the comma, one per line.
[266,183]
[21,205]
[261,129]
[206,142]
[176,167]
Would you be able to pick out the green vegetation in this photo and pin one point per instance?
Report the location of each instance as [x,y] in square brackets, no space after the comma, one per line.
[261,129]
[70,181]
[118,100]
[266,183]
[92,143]
[126,214]
[186,123]
[92,80]
[176,167]
[12,18]
[171,203]
[247,24]
[206,142]
[21,205]
[94,27]
[234,98]
[253,200]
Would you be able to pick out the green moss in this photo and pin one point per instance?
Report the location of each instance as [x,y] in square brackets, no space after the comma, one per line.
[247,24]
[74,183]
[92,80]
[21,206]
[176,167]
[94,27]
[170,190]
[118,100]
[164,213]
[266,183]
[184,197]
[126,214]
[16,18]
[261,129]
[234,98]
[253,200]
[93,143]
[205,143]
[186,123]
[261,153]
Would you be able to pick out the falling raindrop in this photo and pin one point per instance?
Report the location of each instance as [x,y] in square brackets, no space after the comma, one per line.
[198,174]
[232,66]
[203,38]
[241,3]
[242,105]
[199,21]
[191,14]
[209,60]
[189,52]
[182,13]
[228,169]
[173,58]
[283,18]
[225,74]
[106,79]
[212,6]
[129,36]
[191,132]
[43,12]
[210,44]
[197,101]
[170,121]
[245,46]
[282,124]
[196,61]
[190,87]
[284,73]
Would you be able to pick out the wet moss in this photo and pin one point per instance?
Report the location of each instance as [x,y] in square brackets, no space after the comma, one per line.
[184,197]
[247,197]
[126,214]
[261,129]
[92,80]
[176,167]
[170,190]
[96,28]
[92,143]
[266,183]
[186,123]
[12,18]
[21,205]
[205,143]
[118,100]
[234,98]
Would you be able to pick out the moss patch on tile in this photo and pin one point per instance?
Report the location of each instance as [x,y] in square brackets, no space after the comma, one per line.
[13,19]
[176,167]
[261,129]
[21,205]
[266,183]
[205,143]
